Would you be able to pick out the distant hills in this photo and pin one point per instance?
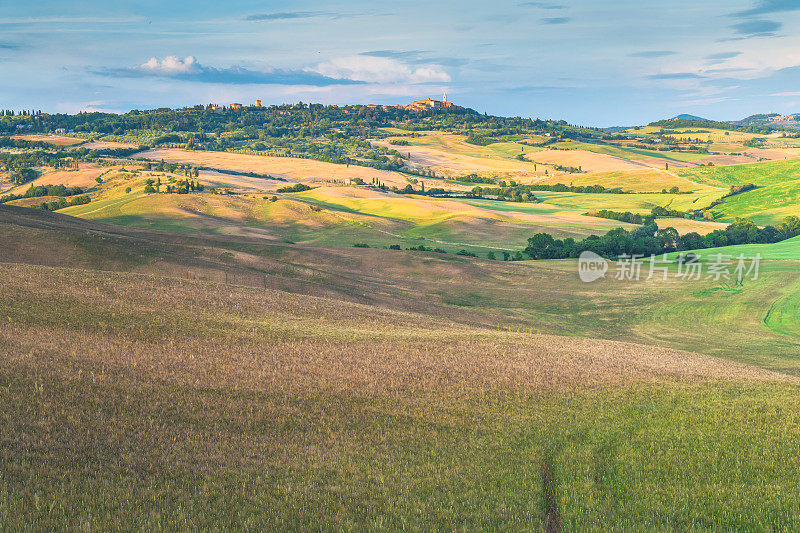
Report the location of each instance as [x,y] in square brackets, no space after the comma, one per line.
[761,123]
[690,117]
[771,119]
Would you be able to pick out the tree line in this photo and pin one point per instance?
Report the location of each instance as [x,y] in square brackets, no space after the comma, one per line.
[36,191]
[649,240]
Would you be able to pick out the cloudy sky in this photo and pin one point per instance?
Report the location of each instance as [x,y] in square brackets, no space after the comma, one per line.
[592,62]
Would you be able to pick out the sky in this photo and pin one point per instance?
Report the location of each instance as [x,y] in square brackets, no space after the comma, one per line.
[589,62]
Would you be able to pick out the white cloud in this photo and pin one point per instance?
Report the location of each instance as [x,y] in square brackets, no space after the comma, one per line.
[701,102]
[758,60]
[172,65]
[76,107]
[380,70]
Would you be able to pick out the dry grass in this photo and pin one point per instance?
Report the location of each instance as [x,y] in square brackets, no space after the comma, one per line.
[220,337]
[293,169]
[106,145]
[684,225]
[83,177]
[58,140]
[650,180]
[239,183]
[451,155]
[542,295]
[352,389]
[588,161]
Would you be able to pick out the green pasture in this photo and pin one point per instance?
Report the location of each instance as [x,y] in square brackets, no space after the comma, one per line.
[765,173]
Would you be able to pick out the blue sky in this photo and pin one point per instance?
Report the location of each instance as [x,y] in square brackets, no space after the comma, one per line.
[588,62]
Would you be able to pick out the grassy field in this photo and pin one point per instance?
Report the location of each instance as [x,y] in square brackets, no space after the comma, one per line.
[652,158]
[766,205]
[788,249]
[228,359]
[777,195]
[341,216]
[766,173]
[636,203]
[649,180]
[328,388]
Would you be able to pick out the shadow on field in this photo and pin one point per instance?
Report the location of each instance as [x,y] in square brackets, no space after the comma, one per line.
[552,518]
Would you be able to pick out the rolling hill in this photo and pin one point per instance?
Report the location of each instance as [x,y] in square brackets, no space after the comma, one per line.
[689,117]
[193,349]
[344,387]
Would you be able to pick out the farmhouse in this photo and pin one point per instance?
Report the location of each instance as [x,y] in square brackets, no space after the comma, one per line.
[236,106]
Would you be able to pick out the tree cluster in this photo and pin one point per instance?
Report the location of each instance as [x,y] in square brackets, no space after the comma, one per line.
[650,240]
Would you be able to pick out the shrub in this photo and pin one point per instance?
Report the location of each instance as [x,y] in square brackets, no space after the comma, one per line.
[297,187]
[479,140]
[474,178]
[62,203]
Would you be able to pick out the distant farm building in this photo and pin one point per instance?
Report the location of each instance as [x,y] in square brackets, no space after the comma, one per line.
[236,106]
[258,103]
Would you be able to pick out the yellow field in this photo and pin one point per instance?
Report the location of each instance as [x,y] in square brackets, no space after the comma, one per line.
[83,177]
[238,183]
[58,140]
[105,145]
[450,155]
[33,202]
[685,226]
[588,161]
[482,219]
[288,168]
[651,180]
[335,215]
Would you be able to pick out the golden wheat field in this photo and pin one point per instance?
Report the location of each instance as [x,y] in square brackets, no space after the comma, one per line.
[58,140]
[84,176]
[585,160]
[452,156]
[289,168]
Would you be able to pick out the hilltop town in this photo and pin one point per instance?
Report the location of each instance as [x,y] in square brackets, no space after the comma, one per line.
[428,104]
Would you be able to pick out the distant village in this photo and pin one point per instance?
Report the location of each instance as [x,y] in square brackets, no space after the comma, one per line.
[779,119]
[419,105]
